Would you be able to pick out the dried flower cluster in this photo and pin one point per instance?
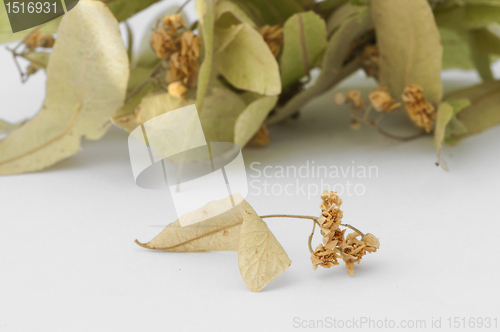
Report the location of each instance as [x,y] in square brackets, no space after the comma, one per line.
[381,100]
[420,111]
[273,36]
[335,245]
[181,48]
[37,39]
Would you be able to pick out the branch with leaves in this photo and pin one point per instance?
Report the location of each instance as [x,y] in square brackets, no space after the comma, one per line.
[247,65]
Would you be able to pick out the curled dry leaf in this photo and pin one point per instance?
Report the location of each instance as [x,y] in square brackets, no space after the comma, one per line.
[87,76]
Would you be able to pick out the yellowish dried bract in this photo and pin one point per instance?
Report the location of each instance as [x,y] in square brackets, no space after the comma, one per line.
[421,112]
[381,100]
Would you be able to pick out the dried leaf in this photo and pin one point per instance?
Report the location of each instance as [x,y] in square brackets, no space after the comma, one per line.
[38,59]
[232,8]
[251,119]
[271,11]
[333,68]
[246,61]
[221,232]
[409,46]
[261,258]
[157,104]
[480,115]
[6,127]
[304,43]
[467,14]
[456,50]
[446,111]
[86,83]
[123,9]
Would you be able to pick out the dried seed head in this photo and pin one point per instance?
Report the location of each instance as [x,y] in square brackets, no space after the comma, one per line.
[173,22]
[273,36]
[421,112]
[339,98]
[177,90]
[381,100]
[325,256]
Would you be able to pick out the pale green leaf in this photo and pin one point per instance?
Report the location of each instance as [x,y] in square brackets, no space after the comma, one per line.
[409,46]
[251,119]
[334,70]
[304,43]
[468,14]
[483,111]
[87,76]
[246,61]
[221,108]
[236,13]
[271,11]
[456,50]
[261,257]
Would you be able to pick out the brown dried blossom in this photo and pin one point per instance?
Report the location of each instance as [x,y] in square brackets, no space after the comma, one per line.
[353,249]
[328,199]
[325,256]
[163,43]
[183,64]
[370,60]
[354,98]
[273,36]
[261,137]
[177,90]
[421,112]
[381,100]
[173,22]
[37,39]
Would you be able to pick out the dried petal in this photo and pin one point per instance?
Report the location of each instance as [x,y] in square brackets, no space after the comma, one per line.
[273,36]
[421,112]
[381,100]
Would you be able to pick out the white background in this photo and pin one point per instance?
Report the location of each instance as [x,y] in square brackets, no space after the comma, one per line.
[68,261]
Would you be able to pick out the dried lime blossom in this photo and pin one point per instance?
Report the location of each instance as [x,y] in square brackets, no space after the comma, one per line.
[37,39]
[335,245]
[421,112]
[183,64]
[381,100]
[370,60]
[261,137]
[273,36]
[325,256]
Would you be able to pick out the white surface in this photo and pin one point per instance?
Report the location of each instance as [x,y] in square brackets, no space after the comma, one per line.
[69,263]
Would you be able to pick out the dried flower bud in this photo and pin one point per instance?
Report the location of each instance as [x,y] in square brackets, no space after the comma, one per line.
[31,40]
[173,22]
[261,137]
[370,60]
[381,100]
[163,43]
[339,98]
[45,40]
[354,96]
[273,36]
[177,89]
[421,112]
[371,241]
[325,256]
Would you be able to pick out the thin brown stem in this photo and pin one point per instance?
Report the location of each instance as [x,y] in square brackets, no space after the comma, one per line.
[289,216]
[311,237]
[353,228]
